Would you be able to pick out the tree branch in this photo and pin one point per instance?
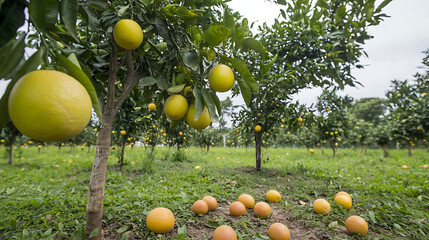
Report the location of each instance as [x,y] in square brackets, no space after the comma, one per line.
[112,77]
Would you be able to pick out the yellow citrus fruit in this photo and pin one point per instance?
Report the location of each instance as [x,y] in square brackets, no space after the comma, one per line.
[123,132]
[311,150]
[128,34]
[203,120]
[2,141]
[321,206]
[175,107]
[278,231]
[247,200]
[343,193]
[282,126]
[152,106]
[258,128]
[404,167]
[160,220]
[224,233]
[221,78]
[200,207]
[356,224]
[211,202]
[273,196]
[299,119]
[49,105]
[237,209]
[344,201]
[262,209]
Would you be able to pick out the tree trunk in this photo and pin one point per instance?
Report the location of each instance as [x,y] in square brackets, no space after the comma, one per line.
[208,147]
[385,152]
[268,156]
[121,161]
[258,145]
[409,150]
[11,141]
[323,151]
[94,207]
[334,150]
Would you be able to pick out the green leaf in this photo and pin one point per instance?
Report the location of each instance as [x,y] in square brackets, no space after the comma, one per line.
[93,233]
[281,2]
[11,54]
[253,44]
[341,12]
[12,17]
[241,67]
[126,235]
[79,75]
[30,65]
[322,4]
[266,67]
[246,93]
[382,5]
[190,59]
[68,12]
[184,12]
[215,35]
[217,102]
[147,81]
[92,18]
[123,229]
[199,103]
[72,57]
[211,55]
[44,13]
[176,89]
[210,105]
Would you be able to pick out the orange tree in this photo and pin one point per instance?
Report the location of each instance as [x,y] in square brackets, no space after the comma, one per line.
[408,103]
[333,121]
[182,41]
[315,45]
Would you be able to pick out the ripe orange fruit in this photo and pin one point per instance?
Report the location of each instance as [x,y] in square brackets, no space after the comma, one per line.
[237,209]
[128,34]
[343,201]
[247,200]
[343,193]
[180,133]
[273,196]
[282,126]
[224,233]
[321,206]
[211,202]
[200,207]
[49,105]
[278,231]
[152,106]
[262,209]
[203,120]
[175,107]
[258,128]
[123,132]
[311,151]
[356,224]
[221,78]
[299,120]
[404,167]
[160,220]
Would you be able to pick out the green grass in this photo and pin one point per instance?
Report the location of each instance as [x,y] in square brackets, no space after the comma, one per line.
[43,195]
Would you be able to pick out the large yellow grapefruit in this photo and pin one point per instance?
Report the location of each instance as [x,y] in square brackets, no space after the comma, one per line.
[49,105]
[203,120]
[128,34]
[221,78]
[175,107]
[160,220]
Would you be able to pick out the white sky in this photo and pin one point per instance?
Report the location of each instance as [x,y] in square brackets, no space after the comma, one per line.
[394,53]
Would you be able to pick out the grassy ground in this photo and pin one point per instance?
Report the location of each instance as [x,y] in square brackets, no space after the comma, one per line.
[43,195]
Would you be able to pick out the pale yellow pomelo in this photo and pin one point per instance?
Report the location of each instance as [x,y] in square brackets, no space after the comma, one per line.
[49,105]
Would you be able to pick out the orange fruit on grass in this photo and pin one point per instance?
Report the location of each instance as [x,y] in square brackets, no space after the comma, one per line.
[237,209]
[200,207]
[160,220]
[247,200]
[278,231]
[211,202]
[262,209]
[224,233]
[356,224]
[273,196]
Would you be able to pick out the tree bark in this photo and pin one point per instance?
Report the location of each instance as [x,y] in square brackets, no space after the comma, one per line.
[208,147]
[11,141]
[258,145]
[385,152]
[94,207]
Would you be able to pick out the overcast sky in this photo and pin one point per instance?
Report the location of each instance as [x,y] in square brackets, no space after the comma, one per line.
[394,53]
